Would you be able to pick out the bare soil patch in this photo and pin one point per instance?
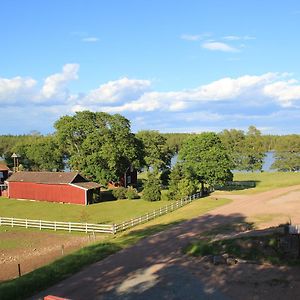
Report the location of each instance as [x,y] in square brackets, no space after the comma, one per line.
[33,249]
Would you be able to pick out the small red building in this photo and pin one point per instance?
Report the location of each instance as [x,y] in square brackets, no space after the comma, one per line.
[128,179]
[66,187]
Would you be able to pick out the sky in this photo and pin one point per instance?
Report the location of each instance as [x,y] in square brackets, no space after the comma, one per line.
[172,66]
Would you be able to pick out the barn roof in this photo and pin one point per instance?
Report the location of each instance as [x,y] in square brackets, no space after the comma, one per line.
[3,167]
[45,177]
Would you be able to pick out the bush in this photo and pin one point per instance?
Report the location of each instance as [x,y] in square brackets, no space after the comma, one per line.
[131,193]
[119,193]
[151,190]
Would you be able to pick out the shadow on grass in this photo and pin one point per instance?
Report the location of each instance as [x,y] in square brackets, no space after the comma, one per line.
[239,185]
[107,196]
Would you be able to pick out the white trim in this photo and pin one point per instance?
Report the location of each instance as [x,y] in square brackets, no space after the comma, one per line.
[80,187]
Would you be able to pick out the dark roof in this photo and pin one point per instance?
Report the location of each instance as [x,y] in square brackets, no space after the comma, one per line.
[44,177]
[87,185]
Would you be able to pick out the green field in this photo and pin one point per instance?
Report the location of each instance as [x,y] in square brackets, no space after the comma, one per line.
[104,212]
[266,181]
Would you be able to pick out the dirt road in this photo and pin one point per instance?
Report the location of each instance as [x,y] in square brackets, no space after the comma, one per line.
[155,267]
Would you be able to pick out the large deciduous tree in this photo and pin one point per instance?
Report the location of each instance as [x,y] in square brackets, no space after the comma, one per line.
[208,159]
[156,152]
[287,154]
[98,144]
[40,153]
[247,151]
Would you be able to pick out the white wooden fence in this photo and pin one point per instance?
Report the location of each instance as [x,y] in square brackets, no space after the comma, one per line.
[156,213]
[98,228]
[54,225]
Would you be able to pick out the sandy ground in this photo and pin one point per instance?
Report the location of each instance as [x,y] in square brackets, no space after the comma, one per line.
[155,267]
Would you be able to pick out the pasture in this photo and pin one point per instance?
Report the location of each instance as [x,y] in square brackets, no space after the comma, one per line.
[104,212]
[266,181]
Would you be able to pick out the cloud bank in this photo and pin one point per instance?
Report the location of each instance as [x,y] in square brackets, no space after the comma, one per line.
[249,98]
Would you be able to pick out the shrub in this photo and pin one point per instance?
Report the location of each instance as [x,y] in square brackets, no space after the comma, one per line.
[119,193]
[151,190]
[131,193]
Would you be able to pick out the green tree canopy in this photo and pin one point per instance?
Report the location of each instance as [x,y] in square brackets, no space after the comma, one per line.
[151,191]
[287,154]
[40,153]
[208,159]
[98,144]
[156,152]
[247,151]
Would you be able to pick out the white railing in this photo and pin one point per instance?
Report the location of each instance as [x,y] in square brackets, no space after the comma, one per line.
[156,213]
[98,228]
[54,225]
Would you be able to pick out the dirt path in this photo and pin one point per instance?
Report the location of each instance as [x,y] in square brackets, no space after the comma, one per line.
[155,267]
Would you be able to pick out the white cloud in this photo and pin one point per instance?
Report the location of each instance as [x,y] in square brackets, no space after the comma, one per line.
[237,38]
[124,89]
[219,46]
[190,37]
[195,37]
[55,86]
[16,89]
[90,39]
[285,92]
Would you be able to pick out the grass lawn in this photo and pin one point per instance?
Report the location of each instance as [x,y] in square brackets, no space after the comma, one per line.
[266,181]
[48,275]
[104,212]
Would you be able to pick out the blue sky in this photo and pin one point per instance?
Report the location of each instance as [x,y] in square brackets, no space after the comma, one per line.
[173,66]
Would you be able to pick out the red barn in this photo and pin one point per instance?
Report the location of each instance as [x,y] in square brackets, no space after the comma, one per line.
[67,187]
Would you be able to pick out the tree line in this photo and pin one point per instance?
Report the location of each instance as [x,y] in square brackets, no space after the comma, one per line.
[102,146]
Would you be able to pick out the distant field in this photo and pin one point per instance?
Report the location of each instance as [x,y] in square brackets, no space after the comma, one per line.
[104,212]
[267,180]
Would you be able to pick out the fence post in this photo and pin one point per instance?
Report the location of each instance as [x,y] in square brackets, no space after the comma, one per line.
[12,222]
[86,230]
[19,270]
[54,225]
[114,229]
[70,227]
[40,224]
[0,221]
[147,217]
[26,222]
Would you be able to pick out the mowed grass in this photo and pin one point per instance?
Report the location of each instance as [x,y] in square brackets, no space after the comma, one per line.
[266,181]
[104,212]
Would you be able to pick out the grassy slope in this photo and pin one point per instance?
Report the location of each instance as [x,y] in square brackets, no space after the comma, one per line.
[267,181]
[48,275]
[104,212]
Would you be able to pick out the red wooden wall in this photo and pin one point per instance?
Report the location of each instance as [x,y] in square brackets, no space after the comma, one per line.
[46,192]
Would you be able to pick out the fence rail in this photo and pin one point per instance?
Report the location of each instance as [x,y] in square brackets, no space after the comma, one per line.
[98,228]
[54,225]
[156,213]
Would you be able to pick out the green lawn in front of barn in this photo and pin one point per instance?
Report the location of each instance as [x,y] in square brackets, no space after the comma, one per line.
[104,212]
